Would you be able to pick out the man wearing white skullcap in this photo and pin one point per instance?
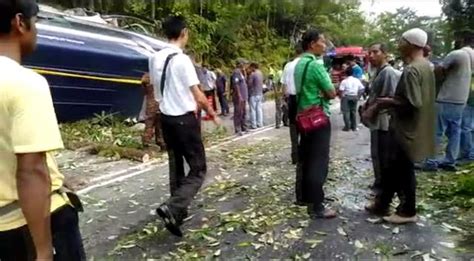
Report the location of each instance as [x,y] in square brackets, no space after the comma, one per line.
[416,37]
[411,130]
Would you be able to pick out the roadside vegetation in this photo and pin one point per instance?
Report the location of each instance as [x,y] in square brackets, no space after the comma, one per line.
[448,198]
[115,137]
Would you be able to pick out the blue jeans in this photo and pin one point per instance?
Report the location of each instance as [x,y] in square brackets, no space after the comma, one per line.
[467,134]
[256,111]
[448,123]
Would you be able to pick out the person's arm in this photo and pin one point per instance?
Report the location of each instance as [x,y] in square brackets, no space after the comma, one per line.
[328,90]
[235,83]
[186,69]
[34,132]
[34,196]
[201,100]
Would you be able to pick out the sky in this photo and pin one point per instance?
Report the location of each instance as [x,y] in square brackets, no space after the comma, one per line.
[423,7]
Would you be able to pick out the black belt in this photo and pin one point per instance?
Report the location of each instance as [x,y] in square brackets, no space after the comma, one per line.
[73,199]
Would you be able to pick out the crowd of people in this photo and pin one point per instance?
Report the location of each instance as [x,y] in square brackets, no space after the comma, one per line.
[39,215]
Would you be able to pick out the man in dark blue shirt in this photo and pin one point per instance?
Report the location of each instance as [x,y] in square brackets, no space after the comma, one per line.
[221,92]
[239,96]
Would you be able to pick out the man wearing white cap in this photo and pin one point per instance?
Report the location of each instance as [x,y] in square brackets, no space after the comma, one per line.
[411,129]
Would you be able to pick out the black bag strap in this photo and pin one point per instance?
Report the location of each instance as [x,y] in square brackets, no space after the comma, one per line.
[165,68]
[305,71]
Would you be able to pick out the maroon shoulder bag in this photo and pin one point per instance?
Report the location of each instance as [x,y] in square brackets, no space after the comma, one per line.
[312,118]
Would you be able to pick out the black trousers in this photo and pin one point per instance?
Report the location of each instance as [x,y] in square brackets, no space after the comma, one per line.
[17,244]
[379,142]
[223,102]
[313,166]
[183,140]
[398,177]
[350,112]
[294,134]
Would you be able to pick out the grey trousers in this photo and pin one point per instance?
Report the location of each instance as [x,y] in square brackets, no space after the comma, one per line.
[350,111]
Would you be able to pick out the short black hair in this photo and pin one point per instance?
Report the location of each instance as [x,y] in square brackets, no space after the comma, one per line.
[308,37]
[349,71]
[382,46]
[10,8]
[299,48]
[351,58]
[173,26]
[254,65]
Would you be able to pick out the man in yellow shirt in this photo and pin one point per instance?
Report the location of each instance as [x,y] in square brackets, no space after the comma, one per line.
[36,221]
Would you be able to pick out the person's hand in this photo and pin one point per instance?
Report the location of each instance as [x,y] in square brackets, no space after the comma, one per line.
[385,100]
[146,79]
[217,121]
[44,254]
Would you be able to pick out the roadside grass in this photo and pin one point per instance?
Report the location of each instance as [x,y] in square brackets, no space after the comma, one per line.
[449,199]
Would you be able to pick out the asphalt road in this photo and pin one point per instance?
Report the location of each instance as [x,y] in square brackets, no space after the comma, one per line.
[245,209]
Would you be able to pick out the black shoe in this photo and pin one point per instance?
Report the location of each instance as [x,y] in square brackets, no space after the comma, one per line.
[301,203]
[170,222]
[449,168]
[425,168]
[346,129]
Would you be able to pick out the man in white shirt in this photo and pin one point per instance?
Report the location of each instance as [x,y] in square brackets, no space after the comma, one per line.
[177,90]
[350,90]
[289,88]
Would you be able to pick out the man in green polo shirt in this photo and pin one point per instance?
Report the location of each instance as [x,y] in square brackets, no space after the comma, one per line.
[313,87]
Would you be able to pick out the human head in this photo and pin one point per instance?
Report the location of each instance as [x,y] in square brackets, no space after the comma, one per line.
[253,66]
[18,24]
[349,71]
[464,38]
[427,51]
[241,63]
[378,54]
[352,60]
[314,42]
[176,30]
[412,43]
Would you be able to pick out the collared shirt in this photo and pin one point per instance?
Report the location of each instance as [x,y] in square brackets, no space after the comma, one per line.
[383,85]
[316,82]
[256,83]
[288,76]
[414,123]
[238,82]
[27,125]
[210,80]
[351,86]
[177,98]
[221,83]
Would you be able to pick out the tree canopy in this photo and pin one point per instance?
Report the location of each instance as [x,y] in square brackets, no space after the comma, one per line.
[265,31]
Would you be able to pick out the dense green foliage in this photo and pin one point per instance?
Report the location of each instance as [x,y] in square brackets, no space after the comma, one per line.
[266,30]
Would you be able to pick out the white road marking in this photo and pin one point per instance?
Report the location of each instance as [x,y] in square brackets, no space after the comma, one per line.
[122,175]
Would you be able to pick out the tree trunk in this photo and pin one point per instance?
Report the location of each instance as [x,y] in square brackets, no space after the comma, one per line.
[91,5]
[153,9]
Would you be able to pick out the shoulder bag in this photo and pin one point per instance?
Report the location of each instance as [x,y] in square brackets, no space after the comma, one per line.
[312,118]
